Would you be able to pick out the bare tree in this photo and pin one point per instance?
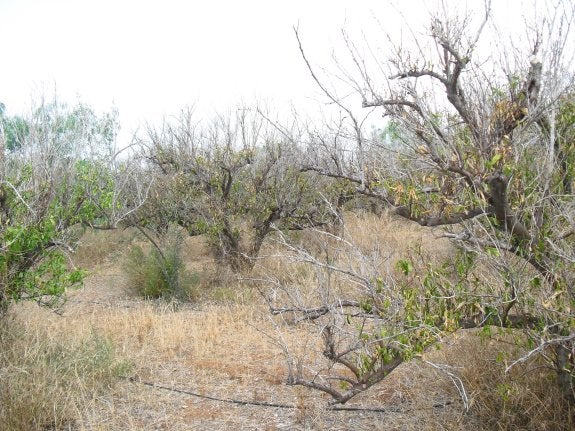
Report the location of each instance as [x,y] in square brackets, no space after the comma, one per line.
[485,148]
[233,179]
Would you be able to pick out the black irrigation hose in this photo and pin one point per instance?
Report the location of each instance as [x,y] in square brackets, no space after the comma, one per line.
[207,397]
[264,404]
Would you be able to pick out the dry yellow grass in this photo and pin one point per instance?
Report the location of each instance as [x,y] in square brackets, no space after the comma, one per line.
[223,347]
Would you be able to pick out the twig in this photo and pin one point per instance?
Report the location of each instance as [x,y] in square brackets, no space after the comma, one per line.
[541,347]
[9,184]
[457,382]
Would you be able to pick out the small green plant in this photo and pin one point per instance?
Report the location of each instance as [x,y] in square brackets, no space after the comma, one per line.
[161,273]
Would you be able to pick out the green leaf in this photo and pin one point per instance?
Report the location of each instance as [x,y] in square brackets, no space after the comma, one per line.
[496,158]
[493,252]
[405,266]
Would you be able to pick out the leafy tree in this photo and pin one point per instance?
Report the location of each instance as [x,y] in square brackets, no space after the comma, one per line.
[56,178]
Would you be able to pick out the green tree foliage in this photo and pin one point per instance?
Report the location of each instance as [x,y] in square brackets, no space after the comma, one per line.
[15,128]
[52,179]
[370,320]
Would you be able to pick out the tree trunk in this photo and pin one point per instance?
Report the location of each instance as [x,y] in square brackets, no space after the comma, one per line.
[3,211]
[564,369]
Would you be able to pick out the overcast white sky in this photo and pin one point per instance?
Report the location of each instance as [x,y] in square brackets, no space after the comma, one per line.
[150,58]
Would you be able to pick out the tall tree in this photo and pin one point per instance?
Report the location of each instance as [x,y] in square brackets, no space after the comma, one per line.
[62,174]
[484,149]
[236,179]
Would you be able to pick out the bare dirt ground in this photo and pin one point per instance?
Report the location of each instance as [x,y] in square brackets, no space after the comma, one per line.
[213,365]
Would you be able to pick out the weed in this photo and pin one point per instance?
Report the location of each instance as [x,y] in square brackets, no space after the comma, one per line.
[161,272]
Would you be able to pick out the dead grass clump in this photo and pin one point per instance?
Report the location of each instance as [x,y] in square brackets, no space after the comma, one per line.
[526,398]
[395,235]
[47,381]
[96,247]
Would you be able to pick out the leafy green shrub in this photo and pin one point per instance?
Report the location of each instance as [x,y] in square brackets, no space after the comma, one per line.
[46,381]
[161,273]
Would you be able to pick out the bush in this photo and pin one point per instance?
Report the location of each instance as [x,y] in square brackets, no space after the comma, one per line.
[46,382]
[161,272]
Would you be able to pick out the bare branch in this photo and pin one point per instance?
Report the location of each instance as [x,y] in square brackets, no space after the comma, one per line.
[558,341]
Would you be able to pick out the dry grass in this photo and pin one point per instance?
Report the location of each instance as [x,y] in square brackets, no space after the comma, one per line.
[97,247]
[525,398]
[222,346]
[49,377]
